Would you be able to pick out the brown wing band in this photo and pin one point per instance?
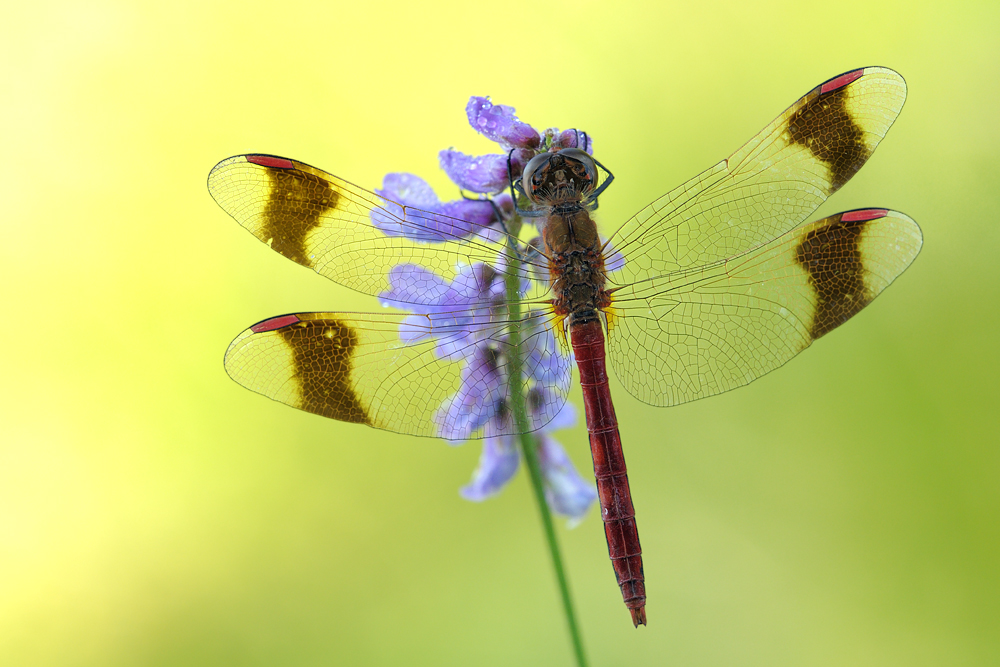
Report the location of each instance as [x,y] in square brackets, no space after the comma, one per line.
[295,203]
[832,258]
[827,129]
[323,350]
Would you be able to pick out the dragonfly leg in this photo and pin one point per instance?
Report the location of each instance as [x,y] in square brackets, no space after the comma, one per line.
[603,186]
[516,190]
[501,218]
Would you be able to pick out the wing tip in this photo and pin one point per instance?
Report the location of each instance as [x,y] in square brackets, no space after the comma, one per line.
[912,227]
[261,159]
[870,214]
[841,80]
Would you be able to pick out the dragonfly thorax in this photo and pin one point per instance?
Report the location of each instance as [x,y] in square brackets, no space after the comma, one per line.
[576,263]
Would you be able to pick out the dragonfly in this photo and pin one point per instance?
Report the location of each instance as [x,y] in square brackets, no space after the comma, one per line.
[709,287]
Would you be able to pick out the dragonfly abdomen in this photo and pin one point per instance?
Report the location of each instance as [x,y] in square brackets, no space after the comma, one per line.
[617,511]
[576,270]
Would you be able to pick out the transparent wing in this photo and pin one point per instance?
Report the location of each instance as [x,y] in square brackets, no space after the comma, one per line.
[704,330]
[767,187]
[346,233]
[429,375]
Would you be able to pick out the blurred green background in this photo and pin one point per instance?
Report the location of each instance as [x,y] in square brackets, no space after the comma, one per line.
[842,511]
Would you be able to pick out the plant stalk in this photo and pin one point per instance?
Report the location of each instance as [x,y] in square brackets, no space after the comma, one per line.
[529,444]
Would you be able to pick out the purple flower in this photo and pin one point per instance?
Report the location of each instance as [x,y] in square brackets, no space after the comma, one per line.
[460,313]
[481,399]
[430,220]
[467,322]
[571,139]
[497,464]
[479,402]
[566,491]
[483,173]
[499,123]
[466,318]
[486,174]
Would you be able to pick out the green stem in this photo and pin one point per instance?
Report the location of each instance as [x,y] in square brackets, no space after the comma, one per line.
[529,445]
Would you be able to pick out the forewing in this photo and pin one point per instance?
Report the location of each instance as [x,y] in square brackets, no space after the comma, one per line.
[705,330]
[325,223]
[410,374]
[770,185]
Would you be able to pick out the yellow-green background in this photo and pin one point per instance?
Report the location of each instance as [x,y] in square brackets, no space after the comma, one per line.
[841,511]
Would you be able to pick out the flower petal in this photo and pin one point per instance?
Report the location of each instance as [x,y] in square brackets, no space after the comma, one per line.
[499,123]
[497,465]
[408,190]
[566,492]
[478,399]
[413,287]
[477,216]
[565,418]
[545,362]
[430,221]
[613,260]
[480,173]
[574,138]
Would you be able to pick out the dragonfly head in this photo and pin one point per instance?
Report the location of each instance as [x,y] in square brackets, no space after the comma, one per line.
[559,177]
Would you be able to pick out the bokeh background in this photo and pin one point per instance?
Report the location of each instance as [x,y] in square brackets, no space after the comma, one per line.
[842,511]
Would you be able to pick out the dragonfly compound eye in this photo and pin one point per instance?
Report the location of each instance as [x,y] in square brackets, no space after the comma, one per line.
[566,175]
[534,176]
[582,167]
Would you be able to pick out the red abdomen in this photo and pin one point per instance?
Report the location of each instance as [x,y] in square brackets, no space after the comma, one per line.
[609,466]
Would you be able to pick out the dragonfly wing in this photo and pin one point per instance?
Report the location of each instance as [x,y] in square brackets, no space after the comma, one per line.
[344,232]
[705,330]
[768,186]
[415,374]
